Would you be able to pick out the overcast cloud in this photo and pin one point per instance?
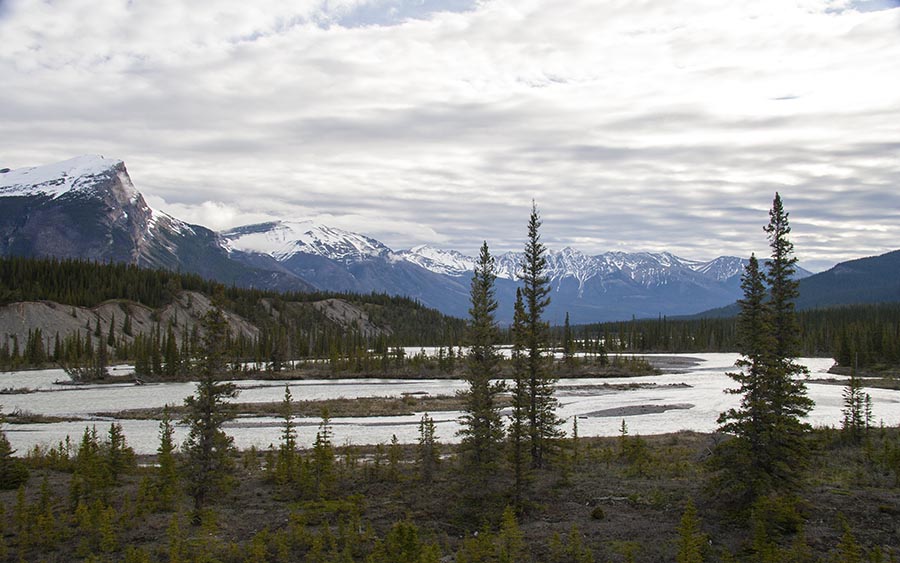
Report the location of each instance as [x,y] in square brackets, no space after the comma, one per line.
[635,125]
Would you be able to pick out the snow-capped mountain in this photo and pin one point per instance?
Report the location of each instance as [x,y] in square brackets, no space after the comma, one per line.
[609,285]
[80,174]
[283,239]
[445,262]
[87,207]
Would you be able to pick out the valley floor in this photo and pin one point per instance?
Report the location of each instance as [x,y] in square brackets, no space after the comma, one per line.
[603,499]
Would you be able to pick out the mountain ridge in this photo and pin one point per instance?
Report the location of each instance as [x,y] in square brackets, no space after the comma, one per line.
[88,208]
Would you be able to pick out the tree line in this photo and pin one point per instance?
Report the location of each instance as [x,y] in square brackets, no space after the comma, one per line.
[290,325]
[864,335]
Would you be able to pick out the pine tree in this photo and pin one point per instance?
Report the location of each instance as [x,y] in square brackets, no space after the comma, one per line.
[428,451]
[690,539]
[510,540]
[171,355]
[13,472]
[518,418]
[208,449]
[482,427]
[111,336]
[119,456]
[789,452]
[568,345]
[167,472]
[323,456]
[744,460]
[286,466]
[543,422]
[769,452]
[126,326]
[855,409]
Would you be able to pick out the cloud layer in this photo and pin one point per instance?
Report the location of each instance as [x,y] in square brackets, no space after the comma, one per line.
[634,125]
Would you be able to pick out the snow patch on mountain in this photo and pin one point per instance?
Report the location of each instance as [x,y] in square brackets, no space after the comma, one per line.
[283,239]
[76,174]
[722,268]
[446,262]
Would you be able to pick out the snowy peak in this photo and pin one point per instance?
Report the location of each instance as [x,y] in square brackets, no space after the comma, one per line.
[82,174]
[644,268]
[446,262]
[508,265]
[722,268]
[283,239]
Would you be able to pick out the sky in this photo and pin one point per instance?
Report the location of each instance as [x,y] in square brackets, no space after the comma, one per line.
[634,125]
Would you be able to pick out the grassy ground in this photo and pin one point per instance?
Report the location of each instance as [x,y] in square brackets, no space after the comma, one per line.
[623,497]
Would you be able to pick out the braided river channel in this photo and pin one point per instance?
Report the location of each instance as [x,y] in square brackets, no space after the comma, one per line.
[689,394]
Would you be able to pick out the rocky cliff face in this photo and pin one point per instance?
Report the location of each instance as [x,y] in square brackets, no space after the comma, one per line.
[88,208]
[85,207]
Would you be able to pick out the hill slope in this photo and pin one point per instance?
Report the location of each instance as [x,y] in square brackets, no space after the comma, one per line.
[875,279]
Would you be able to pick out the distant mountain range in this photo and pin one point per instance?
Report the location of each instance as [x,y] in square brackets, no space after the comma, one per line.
[87,207]
[875,279]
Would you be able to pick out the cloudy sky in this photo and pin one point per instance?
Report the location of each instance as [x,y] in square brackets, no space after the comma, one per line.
[634,124]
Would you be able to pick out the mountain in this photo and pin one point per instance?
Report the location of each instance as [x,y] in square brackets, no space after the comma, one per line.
[865,280]
[337,260]
[88,208]
[609,286]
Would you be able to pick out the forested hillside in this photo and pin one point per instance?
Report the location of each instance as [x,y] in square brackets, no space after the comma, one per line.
[153,316]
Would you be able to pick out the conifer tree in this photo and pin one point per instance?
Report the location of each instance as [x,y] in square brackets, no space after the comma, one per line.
[568,345]
[208,449]
[171,355]
[286,465]
[518,418]
[13,472]
[510,539]
[745,459]
[769,452]
[690,539]
[111,335]
[543,422]
[126,325]
[119,456]
[167,472]
[428,450]
[854,423]
[789,452]
[323,456]
[482,427]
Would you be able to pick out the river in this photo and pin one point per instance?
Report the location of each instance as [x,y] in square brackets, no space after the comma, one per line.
[688,398]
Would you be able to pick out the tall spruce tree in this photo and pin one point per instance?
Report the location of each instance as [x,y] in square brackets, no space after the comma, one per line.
[745,459]
[208,449]
[286,466]
[482,426]
[167,472]
[543,422]
[789,402]
[568,344]
[518,418]
[769,452]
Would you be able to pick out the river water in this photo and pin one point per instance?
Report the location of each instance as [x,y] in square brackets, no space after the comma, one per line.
[689,398]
